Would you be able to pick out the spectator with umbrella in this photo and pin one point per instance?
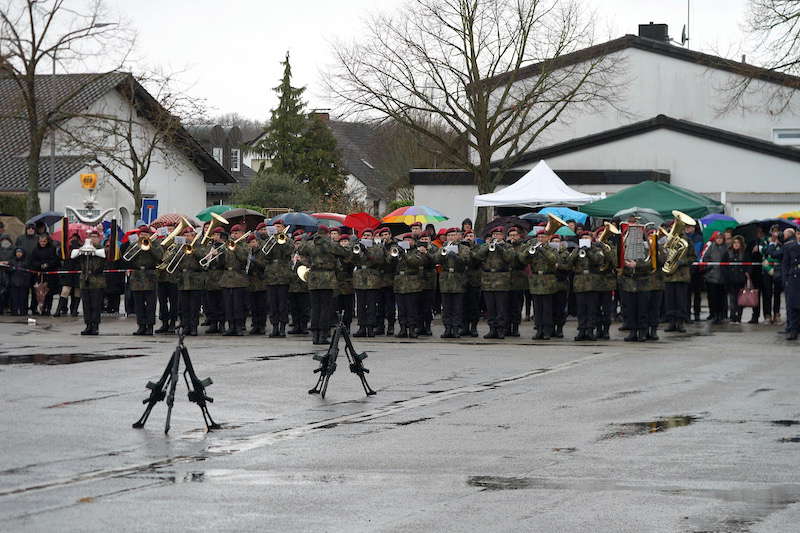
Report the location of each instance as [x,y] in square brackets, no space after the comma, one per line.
[772,284]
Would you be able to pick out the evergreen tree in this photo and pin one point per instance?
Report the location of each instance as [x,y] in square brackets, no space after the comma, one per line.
[283,143]
[321,166]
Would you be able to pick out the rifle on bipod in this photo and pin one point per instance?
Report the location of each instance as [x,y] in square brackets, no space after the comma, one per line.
[165,388]
[327,361]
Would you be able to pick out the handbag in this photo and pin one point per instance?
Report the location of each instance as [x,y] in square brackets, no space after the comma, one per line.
[748,296]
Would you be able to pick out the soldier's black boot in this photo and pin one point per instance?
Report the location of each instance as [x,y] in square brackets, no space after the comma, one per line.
[581,336]
[361,332]
[538,334]
[164,327]
[380,330]
[590,336]
[501,332]
[473,328]
[513,330]
[281,329]
[140,330]
[370,331]
[492,333]
[62,307]
[275,332]
[680,327]
[323,336]
[446,334]
[633,335]
[74,304]
[792,336]
[464,330]
[643,335]
[231,331]
[559,331]
[402,334]
[390,328]
[88,330]
[605,336]
[412,332]
[651,333]
[171,327]
[428,332]
[213,328]
[303,327]
[673,326]
[148,330]
[295,329]
[456,333]
[547,332]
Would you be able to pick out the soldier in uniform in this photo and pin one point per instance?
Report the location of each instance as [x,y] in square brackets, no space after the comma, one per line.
[790,272]
[428,295]
[142,281]
[472,289]
[496,257]
[233,281]
[298,291]
[606,284]
[676,290]
[345,296]
[563,285]
[214,308]
[654,287]
[519,283]
[366,280]
[634,292]
[408,265]
[191,283]
[542,284]
[585,262]
[167,292]
[256,285]
[278,274]
[386,300]
[92,282]
[453,259]
[321,254]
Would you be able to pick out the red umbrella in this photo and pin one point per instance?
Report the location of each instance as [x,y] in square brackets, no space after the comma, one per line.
[361,221]
[172,219]
[75,227]
[337,217]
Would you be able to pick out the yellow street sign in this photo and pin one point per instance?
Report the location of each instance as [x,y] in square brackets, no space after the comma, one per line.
[88,181]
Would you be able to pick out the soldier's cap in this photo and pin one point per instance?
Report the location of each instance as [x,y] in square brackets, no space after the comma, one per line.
[250,237]
[383,229]
[279,221]
[408,236]
[237,227]
[366,230]
[298,232]
[418,223]
[261,225]
[188,229]
[322,230]
[218,230]
[337,229]
[344,238]
[299,238]
[145,227]
[498,229]
[448,231]
[92,233]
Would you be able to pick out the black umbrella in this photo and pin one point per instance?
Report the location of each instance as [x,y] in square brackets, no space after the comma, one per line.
[506,222]
[750,230]
[397,228]
[47,218]
[534,217]
[248,217]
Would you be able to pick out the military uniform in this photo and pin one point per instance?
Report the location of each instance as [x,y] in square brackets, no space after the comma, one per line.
[676,290]
[654,287]
[366,280]
[278,273]
[257,290]
[427,296]
[585,264]
[472,293]
[563,289]
[191,284]
[345,295]
[409,268]
[142,282]
[213,305]
[790,272]
[321,254]
[542,284]
[233,283]
[606,284]
[299,302]
[519,286]
[167,292]
[386,297]
[452,285]
[635,285]
[92,283]
[495,283]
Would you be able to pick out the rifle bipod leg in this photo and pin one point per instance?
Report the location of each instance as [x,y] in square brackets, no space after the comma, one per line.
[197,390]
[327,365]
[356,364]
[157,391]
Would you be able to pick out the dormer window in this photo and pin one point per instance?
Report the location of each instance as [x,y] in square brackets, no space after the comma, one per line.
[235,165]
[217,153]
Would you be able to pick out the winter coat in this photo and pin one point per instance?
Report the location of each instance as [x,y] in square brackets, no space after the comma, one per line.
[321,254]
[45,258]
[453,277]
[543,262]
[735,275]
[714,253]
[19,276]
[27,243]
[496,267]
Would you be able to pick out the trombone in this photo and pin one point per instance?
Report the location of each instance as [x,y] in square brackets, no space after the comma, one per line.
[231,244]
[143,244]
[182,252]
[280,239]
[170,244]
[213,253]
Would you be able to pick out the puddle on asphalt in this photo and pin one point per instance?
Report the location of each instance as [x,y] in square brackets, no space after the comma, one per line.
[786,423]
[500,483]
[790,439]
[280,356]
[61,358]
[632,429]
[414,421]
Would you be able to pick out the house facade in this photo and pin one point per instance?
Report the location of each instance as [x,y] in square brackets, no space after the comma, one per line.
[669,122]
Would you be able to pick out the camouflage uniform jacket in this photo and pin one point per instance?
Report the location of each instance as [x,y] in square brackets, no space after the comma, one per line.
[192,276]
[453,277]
[634,279]
[387,268]
[496,275]
[683,273]
[214,270]
[474,271]
[143,277]
[344,276]
[161,273]
[297,285]
[91,276]
[654,280]
[543,264]
[586,269]
[234,262]
[429,273]
[562,270]
[255,276]
[607,277]
[409,270]
[368,263]
[278,264]
[320,254]
[519,278]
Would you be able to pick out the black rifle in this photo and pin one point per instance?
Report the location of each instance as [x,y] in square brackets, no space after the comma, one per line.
[327,361]
[169,379]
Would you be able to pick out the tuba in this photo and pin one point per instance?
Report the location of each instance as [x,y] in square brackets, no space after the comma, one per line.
[608,230]
[553,224]
[216,220]
[676,246]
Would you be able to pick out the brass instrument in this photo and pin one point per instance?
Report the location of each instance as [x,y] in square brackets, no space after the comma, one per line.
[394,251]
[582,253]
[302,272]
[231,244]
[493,245]
[142,245]
[553,224]
[676,246]
[444,251]
[606,233]
[279,239]
[532,249]
[212,254]
[216,220]
[357,248]
[182,252]
[87,250]
[170,244]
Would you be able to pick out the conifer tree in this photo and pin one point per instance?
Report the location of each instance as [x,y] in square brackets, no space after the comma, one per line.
[322,168]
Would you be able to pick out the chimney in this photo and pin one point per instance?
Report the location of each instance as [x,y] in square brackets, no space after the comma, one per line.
[322,114]
[656,32]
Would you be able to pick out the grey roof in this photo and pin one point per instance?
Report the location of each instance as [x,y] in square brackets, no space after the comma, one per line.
[74,93]
[243,179]
[360,155]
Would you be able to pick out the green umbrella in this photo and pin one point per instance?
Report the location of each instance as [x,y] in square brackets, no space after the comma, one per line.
[564,231]
[205,214]
[718,225]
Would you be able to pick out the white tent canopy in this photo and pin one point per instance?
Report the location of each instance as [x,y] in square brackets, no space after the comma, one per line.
[540,186]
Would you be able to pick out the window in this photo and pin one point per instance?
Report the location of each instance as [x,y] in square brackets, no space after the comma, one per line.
[235,160]
[217,153]
[786,136]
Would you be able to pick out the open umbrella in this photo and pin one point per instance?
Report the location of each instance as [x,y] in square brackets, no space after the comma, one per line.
[361,221]
[205,214]
[297,221]
[644,214]
[75,227]
[534,217]
[710,225]
[506,222]
[48,218]
[715,217]
[564,231]
[335,217]
[414,213]
[565,213]
[14,226]
[172,219]
[790,215]
[750,230]
[248,217]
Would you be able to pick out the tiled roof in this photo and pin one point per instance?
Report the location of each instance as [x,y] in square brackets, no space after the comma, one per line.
[243,179]
[14,172]
[360,155]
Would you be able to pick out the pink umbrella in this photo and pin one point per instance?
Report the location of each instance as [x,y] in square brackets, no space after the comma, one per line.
[75,227]
[336,217]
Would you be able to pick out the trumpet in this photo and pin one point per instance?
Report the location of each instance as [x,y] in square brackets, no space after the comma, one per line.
[279,239]
[533,249]
[582,253]
[357,248]
[444,251]
[394,251]
[212,254]
[172,247]
[142,245]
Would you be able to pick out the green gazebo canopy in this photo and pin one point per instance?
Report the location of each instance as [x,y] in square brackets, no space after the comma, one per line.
[656,195]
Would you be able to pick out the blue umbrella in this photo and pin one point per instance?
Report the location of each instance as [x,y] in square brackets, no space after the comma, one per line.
[47,218]
[565,213]
[706,220]
[303,220]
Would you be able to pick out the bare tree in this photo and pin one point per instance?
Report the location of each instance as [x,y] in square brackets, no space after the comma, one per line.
[148,130]
[773,27]
[34,33]
[494,72]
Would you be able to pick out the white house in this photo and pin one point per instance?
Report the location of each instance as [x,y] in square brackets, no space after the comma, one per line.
[672,127]
[177,176]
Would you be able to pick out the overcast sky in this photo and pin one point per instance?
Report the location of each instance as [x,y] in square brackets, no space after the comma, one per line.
[231,49]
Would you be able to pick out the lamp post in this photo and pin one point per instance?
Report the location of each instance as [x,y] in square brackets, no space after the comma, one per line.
[52,174]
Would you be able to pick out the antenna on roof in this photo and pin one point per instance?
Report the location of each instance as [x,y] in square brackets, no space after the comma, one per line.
[685,31]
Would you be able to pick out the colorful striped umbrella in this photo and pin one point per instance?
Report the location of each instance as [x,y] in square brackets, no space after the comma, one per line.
[414,213]
[791,215]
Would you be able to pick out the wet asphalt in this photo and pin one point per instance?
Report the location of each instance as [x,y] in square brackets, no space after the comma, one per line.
[696,432]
